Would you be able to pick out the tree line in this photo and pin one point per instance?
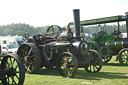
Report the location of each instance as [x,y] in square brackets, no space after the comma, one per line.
[22,28]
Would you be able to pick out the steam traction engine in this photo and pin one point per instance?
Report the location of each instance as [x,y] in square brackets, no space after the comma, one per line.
[109,45]
[57,48]
[12,70]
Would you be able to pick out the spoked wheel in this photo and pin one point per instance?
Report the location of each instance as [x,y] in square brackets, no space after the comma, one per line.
[95,64]
[54,31]
[67,65]
[123,56]
[30,56]
[105,60]
[14,70]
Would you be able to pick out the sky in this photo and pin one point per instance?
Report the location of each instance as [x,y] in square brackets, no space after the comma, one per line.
[57,12]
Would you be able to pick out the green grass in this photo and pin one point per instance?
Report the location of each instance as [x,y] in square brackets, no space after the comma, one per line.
[111,74]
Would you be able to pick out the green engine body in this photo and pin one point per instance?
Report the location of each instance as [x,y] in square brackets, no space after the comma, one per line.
[109,45]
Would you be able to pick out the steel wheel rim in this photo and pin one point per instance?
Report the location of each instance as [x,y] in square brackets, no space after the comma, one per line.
[14,70]
[124,57]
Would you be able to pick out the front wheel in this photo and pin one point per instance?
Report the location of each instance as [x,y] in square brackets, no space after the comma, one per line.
[67,65]
[123,56]
[95,62]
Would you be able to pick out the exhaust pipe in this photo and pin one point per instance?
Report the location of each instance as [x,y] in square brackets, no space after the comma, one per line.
[77,22]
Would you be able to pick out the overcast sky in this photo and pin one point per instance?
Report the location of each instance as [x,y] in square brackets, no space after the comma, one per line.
[57,12]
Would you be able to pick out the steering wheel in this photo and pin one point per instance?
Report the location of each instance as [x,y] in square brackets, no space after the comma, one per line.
[101,33]
[54,31]
[25,36]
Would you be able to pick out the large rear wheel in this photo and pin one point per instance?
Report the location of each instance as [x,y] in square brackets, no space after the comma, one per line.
[30,55]
[14,70]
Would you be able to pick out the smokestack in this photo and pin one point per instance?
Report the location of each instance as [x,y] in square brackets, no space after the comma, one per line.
[127,23]
[77,22]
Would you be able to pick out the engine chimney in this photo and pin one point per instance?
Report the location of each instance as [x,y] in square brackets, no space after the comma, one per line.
[76,22]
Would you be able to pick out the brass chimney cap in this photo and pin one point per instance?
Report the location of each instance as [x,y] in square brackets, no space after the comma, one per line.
[126,13]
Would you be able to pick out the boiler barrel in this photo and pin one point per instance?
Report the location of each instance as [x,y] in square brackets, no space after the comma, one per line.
[118,44]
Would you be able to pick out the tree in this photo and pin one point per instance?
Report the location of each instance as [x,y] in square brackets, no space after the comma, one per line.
[19,32]
[8,32]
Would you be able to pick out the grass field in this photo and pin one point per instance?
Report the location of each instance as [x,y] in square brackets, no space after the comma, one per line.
[111,74]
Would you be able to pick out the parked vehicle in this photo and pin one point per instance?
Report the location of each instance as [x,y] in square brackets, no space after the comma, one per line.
[58,48]
[108,45]
[9,39]
[8,48]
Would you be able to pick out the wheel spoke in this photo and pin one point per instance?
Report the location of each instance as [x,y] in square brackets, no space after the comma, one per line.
[124,53]
[13,80]
[29,51]
[7,64]
[8,80]
[90,67]
[17,77]
[16,67]
[11,61]
[93,68]
[28,67]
